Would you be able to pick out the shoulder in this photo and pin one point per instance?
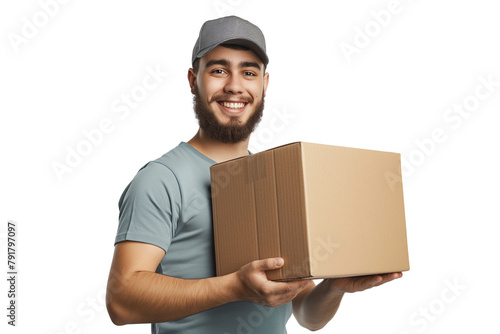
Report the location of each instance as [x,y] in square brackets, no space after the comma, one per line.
[179,171]
[178,159]
[155,180]
[165,168]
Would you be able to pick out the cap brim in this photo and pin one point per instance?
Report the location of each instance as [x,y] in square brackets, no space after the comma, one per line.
[237,41]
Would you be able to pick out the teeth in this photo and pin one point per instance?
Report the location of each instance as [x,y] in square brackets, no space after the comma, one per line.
[233,105]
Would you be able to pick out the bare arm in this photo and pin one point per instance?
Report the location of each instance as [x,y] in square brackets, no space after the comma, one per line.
[315,307]
[136,294]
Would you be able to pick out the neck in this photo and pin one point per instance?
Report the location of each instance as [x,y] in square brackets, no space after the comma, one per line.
[217,150]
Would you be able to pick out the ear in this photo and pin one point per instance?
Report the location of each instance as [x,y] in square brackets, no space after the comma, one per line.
[266,82]
[191,79]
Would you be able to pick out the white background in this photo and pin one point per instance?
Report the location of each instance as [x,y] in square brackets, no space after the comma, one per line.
[65,76]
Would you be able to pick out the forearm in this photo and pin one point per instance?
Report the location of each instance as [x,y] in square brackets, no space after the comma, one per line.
[147,297]
[136,294]
[318,306]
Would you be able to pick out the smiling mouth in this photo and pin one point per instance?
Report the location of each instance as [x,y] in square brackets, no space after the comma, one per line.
[233,105]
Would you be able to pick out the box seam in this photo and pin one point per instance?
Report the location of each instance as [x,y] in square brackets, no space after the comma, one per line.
[256,224]
[277,212]
[304,200]
[216,238]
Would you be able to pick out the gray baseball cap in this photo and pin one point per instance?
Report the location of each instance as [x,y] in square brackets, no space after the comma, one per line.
[230,30]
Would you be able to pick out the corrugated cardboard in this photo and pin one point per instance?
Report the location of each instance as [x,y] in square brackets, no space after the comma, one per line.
[329,211]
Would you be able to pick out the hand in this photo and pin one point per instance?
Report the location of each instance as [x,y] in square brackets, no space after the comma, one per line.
[361,283]
[256,288]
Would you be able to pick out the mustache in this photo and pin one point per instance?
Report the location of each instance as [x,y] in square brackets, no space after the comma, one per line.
[227,97]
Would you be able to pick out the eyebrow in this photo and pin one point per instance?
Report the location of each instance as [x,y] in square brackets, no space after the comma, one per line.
[222,62]
[226,63]
[249,64]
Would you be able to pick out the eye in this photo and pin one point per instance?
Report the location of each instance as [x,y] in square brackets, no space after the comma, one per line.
[249,73]
[218,71]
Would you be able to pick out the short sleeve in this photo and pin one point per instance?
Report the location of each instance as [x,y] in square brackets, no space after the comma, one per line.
[149,207]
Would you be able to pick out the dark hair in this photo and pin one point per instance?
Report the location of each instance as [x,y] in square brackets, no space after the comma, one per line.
[196,65]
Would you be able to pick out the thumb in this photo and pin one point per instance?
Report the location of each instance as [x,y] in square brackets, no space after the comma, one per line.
[269,264]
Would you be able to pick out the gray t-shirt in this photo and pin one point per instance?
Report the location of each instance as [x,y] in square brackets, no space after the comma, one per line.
[168,204]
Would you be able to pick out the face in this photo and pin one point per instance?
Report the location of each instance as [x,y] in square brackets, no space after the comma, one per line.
[229,91]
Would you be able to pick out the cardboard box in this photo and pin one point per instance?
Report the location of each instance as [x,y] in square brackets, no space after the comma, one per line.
[329,211]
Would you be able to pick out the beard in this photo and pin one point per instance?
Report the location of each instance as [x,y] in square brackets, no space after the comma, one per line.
[232,132]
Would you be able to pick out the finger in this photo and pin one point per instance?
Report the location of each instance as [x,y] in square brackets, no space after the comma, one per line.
[389,277]
[382,279]
[292,287]
[268,264]
[283,296]
[363,282]
[369,280]
[308,282]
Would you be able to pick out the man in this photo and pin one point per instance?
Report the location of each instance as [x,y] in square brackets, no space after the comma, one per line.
[163,267]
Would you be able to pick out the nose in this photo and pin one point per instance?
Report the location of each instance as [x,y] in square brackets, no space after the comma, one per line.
[233,85]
